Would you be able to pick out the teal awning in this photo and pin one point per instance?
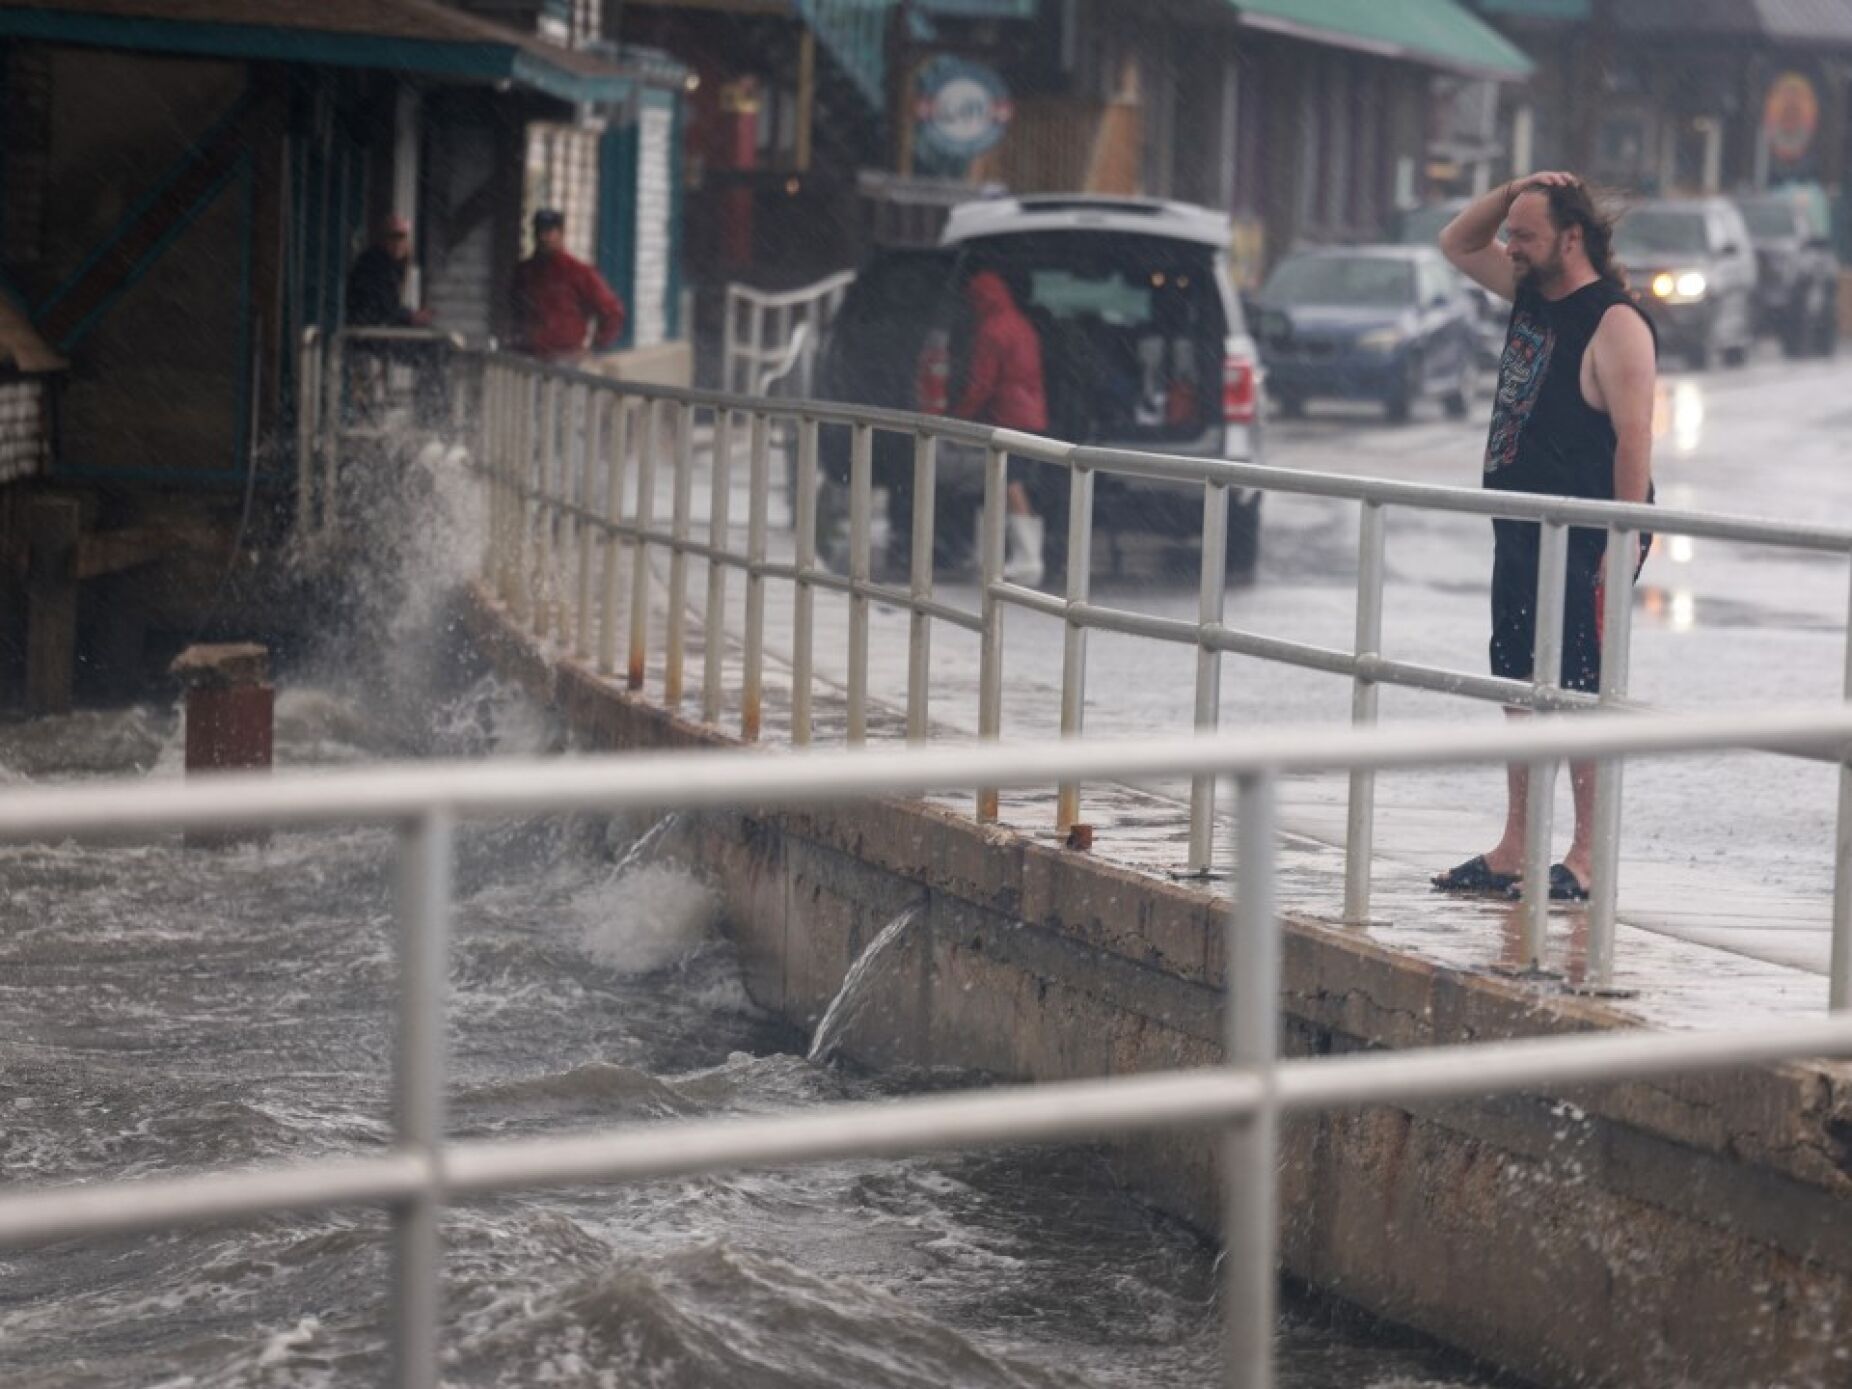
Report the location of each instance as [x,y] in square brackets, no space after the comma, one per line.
[1567,10]
[977,9]
[1438,33]
[416,36]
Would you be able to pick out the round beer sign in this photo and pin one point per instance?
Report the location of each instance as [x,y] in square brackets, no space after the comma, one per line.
[962,109]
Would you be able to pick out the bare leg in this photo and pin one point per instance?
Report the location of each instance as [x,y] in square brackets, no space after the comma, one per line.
[1018,501]
[1582,782]
[1507,856]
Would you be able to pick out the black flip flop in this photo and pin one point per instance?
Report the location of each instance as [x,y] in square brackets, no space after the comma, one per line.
[1474,876]
[1565,886]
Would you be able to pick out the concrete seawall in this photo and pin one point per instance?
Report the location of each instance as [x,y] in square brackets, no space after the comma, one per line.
[1695,1232]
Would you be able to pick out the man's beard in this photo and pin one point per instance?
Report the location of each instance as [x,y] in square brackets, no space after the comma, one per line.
[1541,274]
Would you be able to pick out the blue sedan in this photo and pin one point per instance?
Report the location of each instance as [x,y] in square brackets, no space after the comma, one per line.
[1381,323]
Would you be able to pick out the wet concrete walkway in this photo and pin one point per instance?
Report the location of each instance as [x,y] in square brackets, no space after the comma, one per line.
[1699,945]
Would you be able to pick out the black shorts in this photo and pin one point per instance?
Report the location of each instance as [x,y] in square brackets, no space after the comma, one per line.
[1514,597]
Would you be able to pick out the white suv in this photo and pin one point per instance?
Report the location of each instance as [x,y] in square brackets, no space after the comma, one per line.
[1143,347]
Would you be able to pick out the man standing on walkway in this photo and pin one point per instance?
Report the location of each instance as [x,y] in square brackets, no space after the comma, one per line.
[559,300]
[1574,417]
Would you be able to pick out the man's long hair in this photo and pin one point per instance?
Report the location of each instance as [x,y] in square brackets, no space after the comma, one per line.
[1573,205]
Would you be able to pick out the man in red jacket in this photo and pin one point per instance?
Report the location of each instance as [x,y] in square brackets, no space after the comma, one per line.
[558,299]
[1003,386]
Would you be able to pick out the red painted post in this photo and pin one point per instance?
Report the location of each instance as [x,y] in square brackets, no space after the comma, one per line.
[230,718]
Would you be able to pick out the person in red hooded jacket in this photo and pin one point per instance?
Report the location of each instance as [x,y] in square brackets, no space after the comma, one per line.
[1003,386]
[559,300]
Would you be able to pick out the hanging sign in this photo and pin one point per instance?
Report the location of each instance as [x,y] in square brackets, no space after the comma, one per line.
[962,109]
[1790,117]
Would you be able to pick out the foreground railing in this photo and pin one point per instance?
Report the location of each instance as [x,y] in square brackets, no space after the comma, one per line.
[1244,1098]
[556,447]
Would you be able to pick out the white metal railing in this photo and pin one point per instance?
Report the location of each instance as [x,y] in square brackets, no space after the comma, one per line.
[770,337]
[1244,1098]
[372,385]
[555,446]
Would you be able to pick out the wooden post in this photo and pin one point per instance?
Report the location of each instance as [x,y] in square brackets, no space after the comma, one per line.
[230,719]
[806,98]
[53,525]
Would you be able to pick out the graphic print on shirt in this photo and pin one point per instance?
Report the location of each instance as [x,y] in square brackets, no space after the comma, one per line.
[1520,380]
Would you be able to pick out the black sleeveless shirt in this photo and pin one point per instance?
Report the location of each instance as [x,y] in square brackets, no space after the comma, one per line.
[1545,437]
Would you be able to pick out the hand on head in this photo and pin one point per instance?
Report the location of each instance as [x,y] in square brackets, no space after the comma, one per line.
[1547,178]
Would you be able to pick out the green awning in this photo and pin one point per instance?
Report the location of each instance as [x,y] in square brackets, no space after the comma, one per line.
[1567,10]
[1439,33]
[977,9]
[413,36]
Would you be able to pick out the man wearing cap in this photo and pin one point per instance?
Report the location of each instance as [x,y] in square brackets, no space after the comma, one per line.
[376,282]
[559,300]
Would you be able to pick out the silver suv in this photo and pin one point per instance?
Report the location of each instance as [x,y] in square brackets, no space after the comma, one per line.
[1693,266]
[1143,346]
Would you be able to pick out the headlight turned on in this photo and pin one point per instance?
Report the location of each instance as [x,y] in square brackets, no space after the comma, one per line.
[1685,287]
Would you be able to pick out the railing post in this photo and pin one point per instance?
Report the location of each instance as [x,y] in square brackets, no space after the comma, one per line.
[423,911]
[1540,803]
[1616,653]
[714,624]
[521,477]
[1211,605]
[308,413]
[637,663]
[1839,970]
[493,458]
[919,625]
[617,449]
[591,443]
[804,594]
[683,483]
[990,651]
[1074,638]
[861,485]
[489,456]
[510,435]
[334,404]
[1250,1150]
[729,339]
[755,334]
[1360,837]
[753,694]
[550,393]
[565,525]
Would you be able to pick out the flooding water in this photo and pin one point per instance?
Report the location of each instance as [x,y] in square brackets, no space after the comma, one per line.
[163,1010]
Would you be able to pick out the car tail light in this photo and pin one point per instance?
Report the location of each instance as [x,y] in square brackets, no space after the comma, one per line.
[933,386]
[1239,390]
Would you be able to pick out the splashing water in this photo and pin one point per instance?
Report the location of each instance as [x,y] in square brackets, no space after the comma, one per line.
[640,852]
[857,985]
[647,918]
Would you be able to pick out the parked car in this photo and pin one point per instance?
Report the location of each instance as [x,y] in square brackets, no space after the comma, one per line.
[1797,269]
[1144,346]
[1421,226]
[1381,323]
[1694,269]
